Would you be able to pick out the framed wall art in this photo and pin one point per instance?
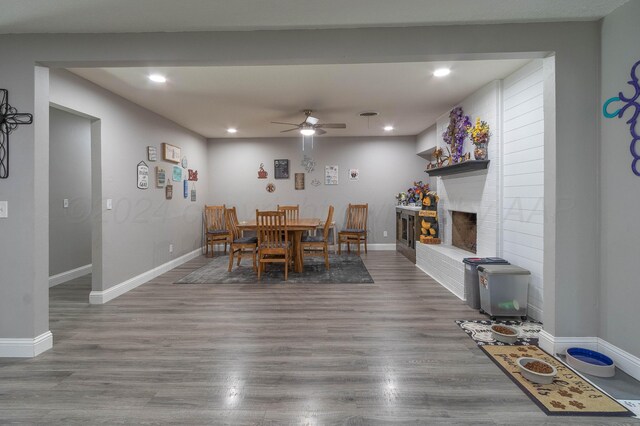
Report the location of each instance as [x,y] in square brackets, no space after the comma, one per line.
[299,177]
[177,174]
[152,153]
[281,169]
[168,192]
[331,175]
[143,175]
[354,174]
[171,153]
[161,177]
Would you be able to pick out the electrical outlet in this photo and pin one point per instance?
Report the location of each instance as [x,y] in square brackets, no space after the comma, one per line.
[65,203]
[4,209]
[170,248]
[385,234]
[109,204]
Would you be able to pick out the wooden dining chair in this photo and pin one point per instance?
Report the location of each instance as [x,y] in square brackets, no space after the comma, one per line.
[215,227]
[292,212]
[312,243]
[356,229]
[273,240]
[243,246]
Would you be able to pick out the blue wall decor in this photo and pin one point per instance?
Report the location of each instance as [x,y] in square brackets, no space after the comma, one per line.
[631,101]
[10,119]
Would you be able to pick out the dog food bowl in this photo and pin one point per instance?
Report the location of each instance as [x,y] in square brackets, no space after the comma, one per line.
[504,338]
[541,378]
[591,362]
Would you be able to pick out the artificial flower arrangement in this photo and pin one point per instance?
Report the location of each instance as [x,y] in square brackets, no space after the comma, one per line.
[456,133]
[479,135]
[414,194]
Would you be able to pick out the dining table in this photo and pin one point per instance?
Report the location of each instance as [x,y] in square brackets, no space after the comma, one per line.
[295,228]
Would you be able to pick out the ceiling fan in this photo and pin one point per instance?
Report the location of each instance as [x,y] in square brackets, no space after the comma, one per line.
[311,126]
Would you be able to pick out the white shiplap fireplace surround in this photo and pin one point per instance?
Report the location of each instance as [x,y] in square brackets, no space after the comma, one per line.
[507,197]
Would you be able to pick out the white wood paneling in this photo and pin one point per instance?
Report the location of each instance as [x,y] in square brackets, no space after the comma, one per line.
[523,178]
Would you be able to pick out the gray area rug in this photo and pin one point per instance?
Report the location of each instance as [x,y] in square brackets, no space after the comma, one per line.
[345,269]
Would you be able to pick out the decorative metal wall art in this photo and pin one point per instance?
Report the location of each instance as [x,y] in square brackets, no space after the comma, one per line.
[631,101]
[262,173]
[10,119]
[308,164]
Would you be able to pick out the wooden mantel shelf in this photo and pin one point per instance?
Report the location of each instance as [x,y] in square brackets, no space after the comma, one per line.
[454,169]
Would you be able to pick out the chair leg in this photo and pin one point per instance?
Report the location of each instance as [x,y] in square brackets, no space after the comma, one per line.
[259,266]
[326,255]
[230,259]
[365,244]
[254,260]
[239,257]
[358,243]
[339,245]
[348,246]
[286,267]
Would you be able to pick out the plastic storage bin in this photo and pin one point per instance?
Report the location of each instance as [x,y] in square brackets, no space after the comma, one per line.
[504,290]
[471,284]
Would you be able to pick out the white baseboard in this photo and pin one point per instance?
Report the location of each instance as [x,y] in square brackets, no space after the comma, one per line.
[627,362]
[63,277]
[26,347]
[100,297]
[534,312]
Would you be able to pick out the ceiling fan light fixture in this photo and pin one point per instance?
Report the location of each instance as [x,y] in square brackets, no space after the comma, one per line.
[388,128]
[307,131]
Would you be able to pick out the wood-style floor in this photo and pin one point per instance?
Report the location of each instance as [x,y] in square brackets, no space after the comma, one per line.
[353,354]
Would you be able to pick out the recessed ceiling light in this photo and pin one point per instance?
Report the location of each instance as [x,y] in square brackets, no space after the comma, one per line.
[388,128]
[232,130]
[442,72]
[157,78]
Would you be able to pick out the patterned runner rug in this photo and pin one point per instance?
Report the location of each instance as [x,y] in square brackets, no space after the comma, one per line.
[480,331]
[568,395]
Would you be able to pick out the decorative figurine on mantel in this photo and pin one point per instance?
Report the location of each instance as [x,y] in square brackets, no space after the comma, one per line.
[429,215]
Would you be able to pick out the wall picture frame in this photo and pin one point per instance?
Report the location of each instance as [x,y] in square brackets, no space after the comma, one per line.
[331,175]
[299,181]
[161,177]
[281,169]
[168,192]
[171,153]
[354,174]
[177,174]
[143,175]
[152,153]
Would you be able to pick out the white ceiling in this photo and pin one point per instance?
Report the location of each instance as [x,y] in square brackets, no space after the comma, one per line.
[208,100]
[100,16]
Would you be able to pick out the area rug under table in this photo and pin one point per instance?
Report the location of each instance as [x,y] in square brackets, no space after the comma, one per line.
[480,331]
[345,269]
[568,395]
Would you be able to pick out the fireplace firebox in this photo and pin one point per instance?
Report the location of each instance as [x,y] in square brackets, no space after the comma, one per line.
[464,230]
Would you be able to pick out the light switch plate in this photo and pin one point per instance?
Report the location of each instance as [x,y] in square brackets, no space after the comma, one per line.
[4,209]
[109,204]
[65,203]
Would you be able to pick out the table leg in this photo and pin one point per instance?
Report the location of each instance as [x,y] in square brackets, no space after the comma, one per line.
[298,265]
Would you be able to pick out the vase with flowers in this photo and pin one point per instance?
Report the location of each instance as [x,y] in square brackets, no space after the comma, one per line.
[479,134]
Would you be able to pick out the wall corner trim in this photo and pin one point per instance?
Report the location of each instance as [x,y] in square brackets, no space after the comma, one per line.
[26,347]
[100,297]
[625,361]
[63,277]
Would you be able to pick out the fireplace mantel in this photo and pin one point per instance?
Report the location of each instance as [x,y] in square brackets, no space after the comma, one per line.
[454,169]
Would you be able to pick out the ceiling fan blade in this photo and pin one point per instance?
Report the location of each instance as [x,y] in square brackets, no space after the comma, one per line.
[320,132]
[331,126]
[290,130]
[312,120]
[280,122]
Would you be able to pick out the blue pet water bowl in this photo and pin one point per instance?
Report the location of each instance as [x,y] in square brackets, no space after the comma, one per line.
[591,362]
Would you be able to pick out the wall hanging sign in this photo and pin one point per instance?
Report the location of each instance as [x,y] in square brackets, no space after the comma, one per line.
[152,153]
[299,177]
[193,193]
[281,169]
[143,175]
[331,175]
[629,101]
[271,188]
[185,163]
[354,174]
[262,173]
[316,182]
[168,192]
[193,175]
[171,153]
[10,119]
[161,177]
[177,174]
[185,188]
[308,164]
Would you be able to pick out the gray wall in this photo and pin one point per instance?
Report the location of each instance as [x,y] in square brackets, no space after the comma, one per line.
[142,224]
[427,141]
[620,188]
[572,161]
[70,178]
[387,166]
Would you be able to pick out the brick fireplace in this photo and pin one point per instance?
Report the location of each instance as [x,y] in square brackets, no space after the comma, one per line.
[464,230]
